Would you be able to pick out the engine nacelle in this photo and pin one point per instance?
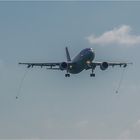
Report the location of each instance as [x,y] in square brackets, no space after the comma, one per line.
[104,66]
[63,66]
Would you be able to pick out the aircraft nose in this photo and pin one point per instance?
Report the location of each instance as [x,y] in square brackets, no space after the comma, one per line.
[91,52]
[91,49]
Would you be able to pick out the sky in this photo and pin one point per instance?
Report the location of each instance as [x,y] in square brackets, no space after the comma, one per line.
[51,106]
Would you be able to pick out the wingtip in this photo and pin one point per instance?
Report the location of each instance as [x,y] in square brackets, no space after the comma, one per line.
[131,63]
[20,63]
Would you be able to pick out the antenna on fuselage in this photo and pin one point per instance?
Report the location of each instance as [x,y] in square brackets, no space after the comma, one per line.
[67,54]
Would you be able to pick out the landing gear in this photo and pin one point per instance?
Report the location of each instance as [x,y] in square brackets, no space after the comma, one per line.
[67,75]
[92,74]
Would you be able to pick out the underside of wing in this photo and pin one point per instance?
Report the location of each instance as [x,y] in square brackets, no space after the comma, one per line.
[105,65]
[124,64]
[47,65]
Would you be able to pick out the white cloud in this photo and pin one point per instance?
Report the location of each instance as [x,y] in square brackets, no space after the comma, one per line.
[121,36]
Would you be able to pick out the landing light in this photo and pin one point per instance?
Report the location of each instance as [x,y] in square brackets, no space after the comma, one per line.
[70,66]
[88,62]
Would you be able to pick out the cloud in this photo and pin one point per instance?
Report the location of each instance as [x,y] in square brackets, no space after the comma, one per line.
[133,132]
[120,36]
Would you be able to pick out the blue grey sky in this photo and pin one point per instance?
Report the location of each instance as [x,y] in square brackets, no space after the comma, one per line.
[52,106]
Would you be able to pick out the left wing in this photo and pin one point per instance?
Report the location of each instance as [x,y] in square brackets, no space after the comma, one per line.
[48,65]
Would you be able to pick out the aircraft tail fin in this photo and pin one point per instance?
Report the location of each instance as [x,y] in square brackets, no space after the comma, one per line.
[67,54]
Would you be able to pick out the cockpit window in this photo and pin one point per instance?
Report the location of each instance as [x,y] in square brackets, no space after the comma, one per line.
[83,52]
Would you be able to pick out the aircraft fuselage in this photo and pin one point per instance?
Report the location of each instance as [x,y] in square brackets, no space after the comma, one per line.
[79,63]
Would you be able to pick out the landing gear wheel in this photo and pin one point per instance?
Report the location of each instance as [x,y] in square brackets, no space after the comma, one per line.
[92,75]
[67,75]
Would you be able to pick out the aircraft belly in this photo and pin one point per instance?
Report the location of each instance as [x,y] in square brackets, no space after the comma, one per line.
[79,63]
[77,68]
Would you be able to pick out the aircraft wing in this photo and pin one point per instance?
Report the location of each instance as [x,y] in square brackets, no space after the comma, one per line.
[124,64]
[106,64]
[47,65]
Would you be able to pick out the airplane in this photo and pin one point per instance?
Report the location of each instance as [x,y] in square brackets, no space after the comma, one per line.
[83,61]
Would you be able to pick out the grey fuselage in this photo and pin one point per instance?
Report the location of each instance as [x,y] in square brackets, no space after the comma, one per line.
[79,63]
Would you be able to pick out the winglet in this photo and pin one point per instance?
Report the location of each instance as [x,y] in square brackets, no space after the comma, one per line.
[67,54]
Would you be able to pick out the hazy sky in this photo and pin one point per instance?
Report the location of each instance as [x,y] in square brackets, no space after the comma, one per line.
[52,106]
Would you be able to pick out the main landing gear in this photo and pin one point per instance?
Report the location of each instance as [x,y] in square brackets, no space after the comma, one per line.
[67,75]
[92,74]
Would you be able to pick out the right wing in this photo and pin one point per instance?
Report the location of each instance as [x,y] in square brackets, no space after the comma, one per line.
[47,65]
[105,65]
[124,64]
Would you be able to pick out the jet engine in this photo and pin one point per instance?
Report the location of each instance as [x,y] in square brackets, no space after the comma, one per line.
[104,66]
[63,65]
